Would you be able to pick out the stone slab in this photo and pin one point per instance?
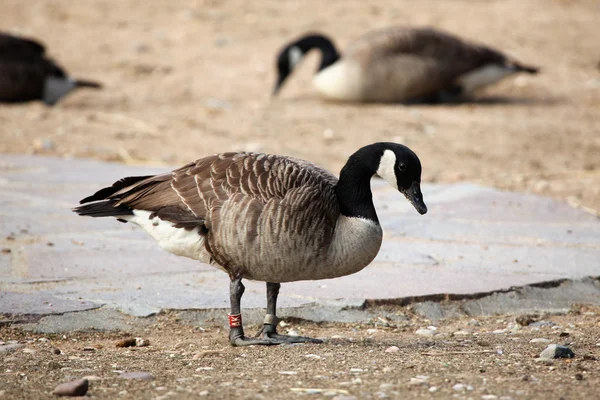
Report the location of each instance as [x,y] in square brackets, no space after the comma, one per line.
[473,240]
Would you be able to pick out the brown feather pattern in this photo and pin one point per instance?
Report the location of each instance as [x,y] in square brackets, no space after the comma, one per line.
[258,212]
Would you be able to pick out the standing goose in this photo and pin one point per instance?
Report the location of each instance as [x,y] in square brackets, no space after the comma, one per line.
[400,64]
[26,73]
[265,217]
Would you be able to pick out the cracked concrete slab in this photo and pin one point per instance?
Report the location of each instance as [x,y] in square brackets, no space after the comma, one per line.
[473,240]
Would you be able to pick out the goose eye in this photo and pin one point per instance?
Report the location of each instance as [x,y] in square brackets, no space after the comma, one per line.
[402,167]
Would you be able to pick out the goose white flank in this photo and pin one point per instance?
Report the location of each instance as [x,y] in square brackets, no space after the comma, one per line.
[400,64]
[265,217]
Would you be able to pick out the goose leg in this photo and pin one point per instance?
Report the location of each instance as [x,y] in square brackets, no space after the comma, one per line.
[236,329]
[269,328]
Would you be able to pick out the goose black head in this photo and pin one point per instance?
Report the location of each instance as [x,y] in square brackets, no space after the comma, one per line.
[401,168]
[291,55]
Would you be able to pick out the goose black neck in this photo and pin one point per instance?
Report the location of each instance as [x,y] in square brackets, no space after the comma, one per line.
[329,53]
[354,186]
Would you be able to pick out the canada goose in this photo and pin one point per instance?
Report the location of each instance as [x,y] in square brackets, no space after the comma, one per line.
[400,64]
[26,73]
[265,217]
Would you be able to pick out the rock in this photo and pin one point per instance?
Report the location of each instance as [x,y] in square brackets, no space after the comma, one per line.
[461,333]
[73,388]
[425,332]
[461,387]
[489,397]
[28,351]
[434,389]
[126,343]
[141,342]
[557,351]
[392,349]
[419,380]
[473,322]
[371,331]
[10,347]
[203,393]
[540,340]
[526,320]
[313,356]
[137,375]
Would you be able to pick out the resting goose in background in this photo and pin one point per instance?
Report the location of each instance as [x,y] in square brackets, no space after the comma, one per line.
[400,64]
[265,217]
[26,73]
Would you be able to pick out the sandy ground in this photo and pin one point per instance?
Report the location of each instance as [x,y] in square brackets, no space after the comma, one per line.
[189,78]
[487,357]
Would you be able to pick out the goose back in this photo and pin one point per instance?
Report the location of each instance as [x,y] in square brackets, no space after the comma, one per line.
[402,63]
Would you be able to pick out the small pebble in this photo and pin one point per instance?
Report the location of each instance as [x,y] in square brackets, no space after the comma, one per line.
[392,349]
[461,333]
[136,375]
[425,332]
[433,389]
[579,377]
[28,351]
[539,340]
[313,356]
[73,388]
[526,320]
[204,369]
[141,342]
[489,397]
[557,351]
[43,339]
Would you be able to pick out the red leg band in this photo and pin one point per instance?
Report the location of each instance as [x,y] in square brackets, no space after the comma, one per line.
[235,320]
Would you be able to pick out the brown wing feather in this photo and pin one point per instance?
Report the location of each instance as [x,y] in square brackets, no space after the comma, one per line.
[198,191]
[427,43]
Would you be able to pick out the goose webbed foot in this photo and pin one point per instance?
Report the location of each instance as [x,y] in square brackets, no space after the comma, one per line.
[269,331]
[237,338]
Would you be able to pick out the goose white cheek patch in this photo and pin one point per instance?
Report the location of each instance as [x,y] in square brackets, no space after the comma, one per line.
[386,168]
[294,56]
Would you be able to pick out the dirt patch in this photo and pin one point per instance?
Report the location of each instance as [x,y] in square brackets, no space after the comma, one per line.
[191,78]
[464,358]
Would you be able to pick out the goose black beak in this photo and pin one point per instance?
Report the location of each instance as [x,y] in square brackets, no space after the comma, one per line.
[278,85]
[414,195]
